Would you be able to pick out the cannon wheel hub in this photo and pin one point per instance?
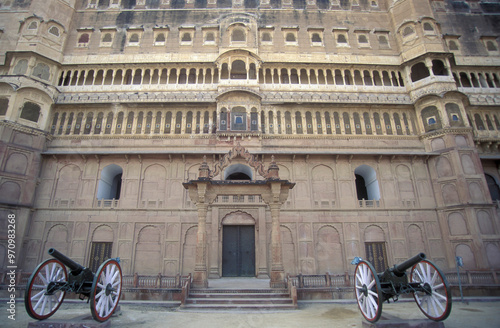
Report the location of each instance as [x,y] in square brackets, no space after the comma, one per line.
[427,288]
[109,289]
[364,290]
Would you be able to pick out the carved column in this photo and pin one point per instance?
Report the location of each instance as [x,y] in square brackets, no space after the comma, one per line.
[200,278]
[277,268]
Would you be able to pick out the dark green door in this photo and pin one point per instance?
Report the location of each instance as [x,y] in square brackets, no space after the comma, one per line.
[238,251]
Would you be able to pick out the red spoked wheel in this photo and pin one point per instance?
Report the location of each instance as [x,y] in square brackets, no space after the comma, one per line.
[106,290]
[43,296]
[435,299]
[368,291]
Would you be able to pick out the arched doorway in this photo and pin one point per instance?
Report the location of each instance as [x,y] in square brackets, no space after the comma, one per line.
[238,245]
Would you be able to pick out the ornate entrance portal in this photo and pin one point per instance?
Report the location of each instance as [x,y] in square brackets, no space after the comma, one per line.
[238,239]
[238,251]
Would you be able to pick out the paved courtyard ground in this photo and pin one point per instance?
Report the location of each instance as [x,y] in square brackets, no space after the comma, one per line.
[484,314]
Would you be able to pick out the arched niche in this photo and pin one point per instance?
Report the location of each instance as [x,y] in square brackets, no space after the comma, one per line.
[288,248]
[148,251]
[10,192]
[467,255]
[68,182]
[329,252]
[16,163]
[485,223]
[103,233]
[457,224]
[493,255]
[443,167]
[154,183]
[374,233]
[238,172]
[189,250]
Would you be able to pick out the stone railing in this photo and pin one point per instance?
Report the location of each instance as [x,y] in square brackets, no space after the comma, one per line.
[107,203]
[238,199]
[128,281]
[364,203]
[469,278]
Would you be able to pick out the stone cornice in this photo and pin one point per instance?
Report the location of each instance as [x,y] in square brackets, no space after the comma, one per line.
[445,131]
[26,129]
[484,99]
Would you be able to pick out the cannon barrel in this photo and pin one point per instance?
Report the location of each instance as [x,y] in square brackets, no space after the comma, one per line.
[74,267]
[400,269]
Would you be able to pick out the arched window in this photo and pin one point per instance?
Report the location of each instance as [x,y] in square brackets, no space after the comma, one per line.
[316,38]
[419,71]
[54,31]
[238,172]
[452,45]
[266,37]
[408,31]
[428,27]
[238,35]
[238,70]
[341,38]
[134,38]
[33,26]
[42,71]
[84,38]
[290,37]
[160,37]
[21,67]
[366,183]
[186,37]
[107,37]
[210,37]
[362,39]
[438,68]
[382,40]
[110,183]
[493,187]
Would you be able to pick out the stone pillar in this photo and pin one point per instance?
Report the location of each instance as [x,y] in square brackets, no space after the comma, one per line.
[200,278]
[277,268]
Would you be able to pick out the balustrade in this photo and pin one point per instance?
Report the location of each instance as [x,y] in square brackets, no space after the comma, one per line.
[192,122]
[194,78]
[485,82]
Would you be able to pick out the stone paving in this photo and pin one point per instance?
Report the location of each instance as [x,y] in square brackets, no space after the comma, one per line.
[475,314]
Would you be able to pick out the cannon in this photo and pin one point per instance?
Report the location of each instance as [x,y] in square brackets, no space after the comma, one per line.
[49,283]
[426,282]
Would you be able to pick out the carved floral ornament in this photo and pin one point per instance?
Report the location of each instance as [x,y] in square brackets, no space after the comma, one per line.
[238,150]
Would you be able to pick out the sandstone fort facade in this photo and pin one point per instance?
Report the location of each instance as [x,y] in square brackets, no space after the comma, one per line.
[250,138]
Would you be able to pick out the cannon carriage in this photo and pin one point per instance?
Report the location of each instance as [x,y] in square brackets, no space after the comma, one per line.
[426,282]
[50,282]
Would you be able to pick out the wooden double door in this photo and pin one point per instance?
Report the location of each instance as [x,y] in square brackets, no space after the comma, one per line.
[238,251]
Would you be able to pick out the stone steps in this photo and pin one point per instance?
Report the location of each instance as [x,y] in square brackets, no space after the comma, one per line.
[246,300]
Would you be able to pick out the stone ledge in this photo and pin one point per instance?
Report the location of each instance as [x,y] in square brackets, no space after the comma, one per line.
[211,97]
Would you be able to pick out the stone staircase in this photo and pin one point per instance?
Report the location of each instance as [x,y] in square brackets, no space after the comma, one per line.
[239,299]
